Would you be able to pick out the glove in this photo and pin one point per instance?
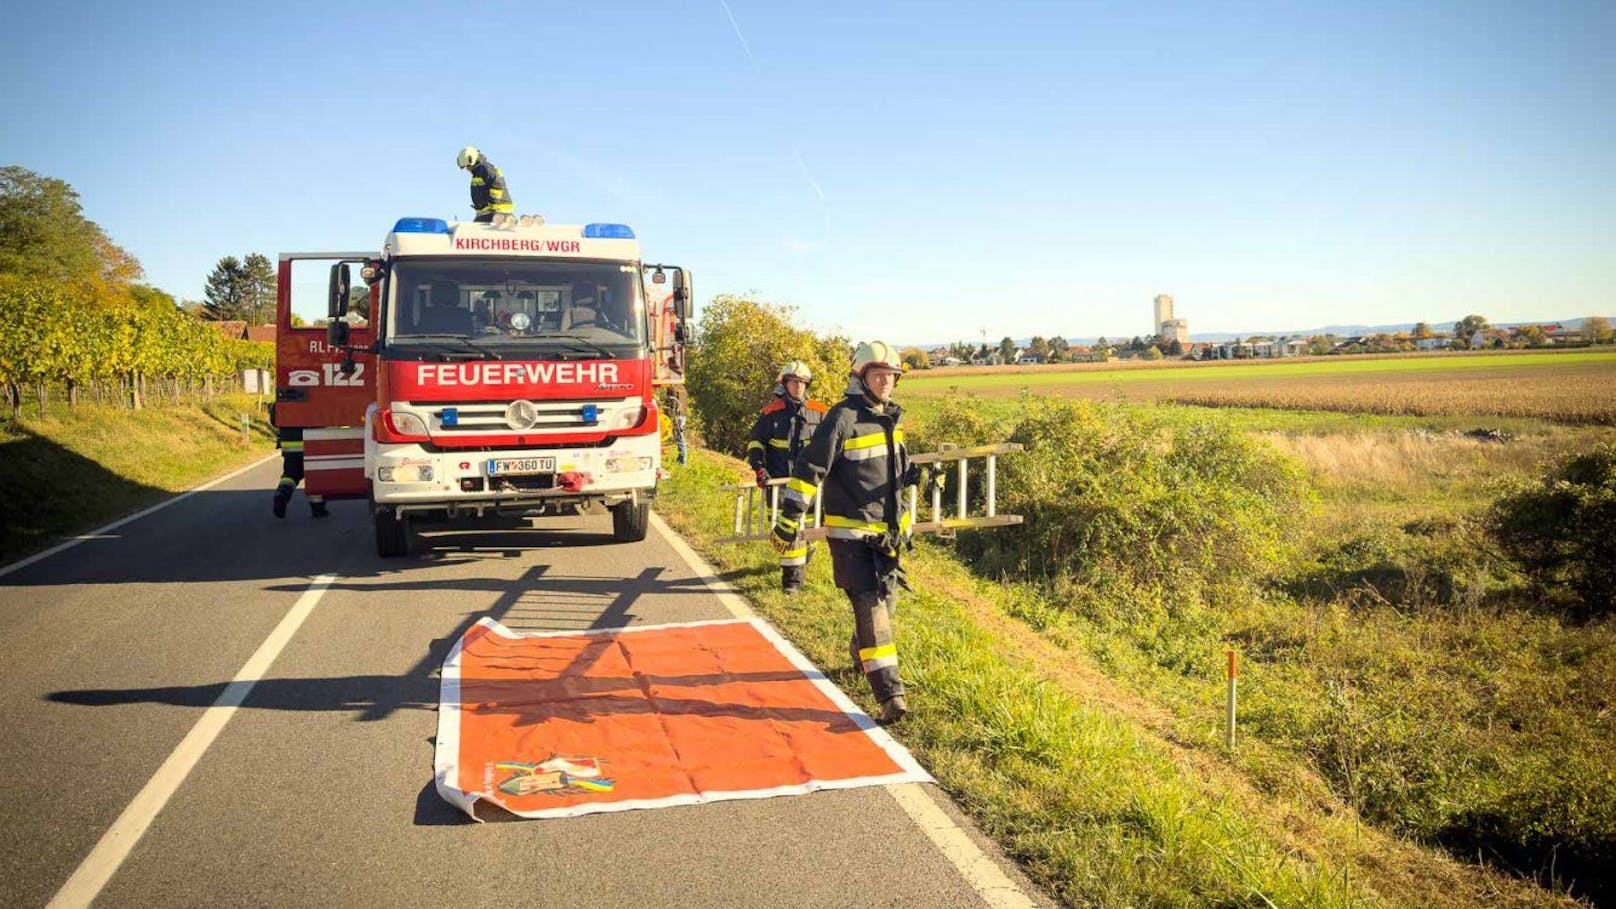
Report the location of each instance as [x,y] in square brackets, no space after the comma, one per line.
[762,477]
[782,540]
[937,479]
[784,537]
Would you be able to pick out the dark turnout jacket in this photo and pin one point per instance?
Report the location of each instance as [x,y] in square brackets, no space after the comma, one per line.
[488,192]
[782,430]
[857,461]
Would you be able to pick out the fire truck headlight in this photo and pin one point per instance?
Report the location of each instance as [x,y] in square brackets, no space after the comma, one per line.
[423,474]
[407,424]
[627,418]
[385,474]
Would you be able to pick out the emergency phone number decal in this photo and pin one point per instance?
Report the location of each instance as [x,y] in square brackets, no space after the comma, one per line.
[331,374]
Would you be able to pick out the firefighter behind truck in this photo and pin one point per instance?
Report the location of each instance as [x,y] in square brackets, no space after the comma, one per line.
[514,370]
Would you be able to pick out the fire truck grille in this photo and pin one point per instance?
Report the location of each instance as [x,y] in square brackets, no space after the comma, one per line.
[530,417]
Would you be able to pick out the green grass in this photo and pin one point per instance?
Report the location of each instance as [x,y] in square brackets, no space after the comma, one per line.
[1105,798]
[74,469]
[1217,371]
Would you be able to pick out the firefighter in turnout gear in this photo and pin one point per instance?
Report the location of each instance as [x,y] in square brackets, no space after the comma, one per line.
[489,196]
[782,430]
[289,439]
[857,461]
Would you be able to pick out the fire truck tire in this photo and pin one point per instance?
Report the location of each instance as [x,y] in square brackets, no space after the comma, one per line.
[630,521]
[392,534]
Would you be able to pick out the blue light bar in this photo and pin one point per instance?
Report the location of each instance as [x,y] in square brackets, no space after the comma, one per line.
[421,226]
[608,232]
[450,416]
[591,413]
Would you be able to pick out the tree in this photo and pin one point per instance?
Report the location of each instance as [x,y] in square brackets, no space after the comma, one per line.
[1532,335]
[258,290]
[43,233]
[1175,349]
[740,343]
[1136,344]
[1152,353]
[1597,330]
[1060,350]
[1038,347]
[915,358]
[1102,343]
[1465,330]
[1007,349]
[225,290]
[1422,331]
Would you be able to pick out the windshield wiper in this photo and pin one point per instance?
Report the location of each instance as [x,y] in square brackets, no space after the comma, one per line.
[481,352]
[582,344]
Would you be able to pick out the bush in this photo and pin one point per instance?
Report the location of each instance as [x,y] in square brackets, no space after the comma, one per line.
[740,345]
[1424,563]
[1140,522]
[1562,529]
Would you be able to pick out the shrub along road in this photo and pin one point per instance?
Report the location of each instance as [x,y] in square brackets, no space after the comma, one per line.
[318,790]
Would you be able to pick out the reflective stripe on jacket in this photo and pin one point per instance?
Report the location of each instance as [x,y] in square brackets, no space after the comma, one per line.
[858,462]
[488,191]
[783,429]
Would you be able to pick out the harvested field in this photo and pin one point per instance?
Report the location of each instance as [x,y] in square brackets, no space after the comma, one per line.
[1563,387]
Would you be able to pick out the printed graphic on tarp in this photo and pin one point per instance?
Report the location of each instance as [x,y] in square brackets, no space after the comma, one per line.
[568,723]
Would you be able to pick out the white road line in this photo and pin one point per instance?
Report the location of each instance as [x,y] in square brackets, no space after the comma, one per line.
[980,872]
[104,860]
[732,601]
[99,532]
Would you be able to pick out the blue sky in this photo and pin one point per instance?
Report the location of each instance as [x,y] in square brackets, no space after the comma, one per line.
[913,171]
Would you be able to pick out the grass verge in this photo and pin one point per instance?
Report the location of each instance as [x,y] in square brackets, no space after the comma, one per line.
[75,469]
[1104,797]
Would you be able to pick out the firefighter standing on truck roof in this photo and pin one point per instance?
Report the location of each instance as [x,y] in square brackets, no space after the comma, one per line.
[489,196]
[289,439]
[857,461]
[782,430]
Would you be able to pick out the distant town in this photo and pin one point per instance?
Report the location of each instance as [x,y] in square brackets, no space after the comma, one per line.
[1171,340]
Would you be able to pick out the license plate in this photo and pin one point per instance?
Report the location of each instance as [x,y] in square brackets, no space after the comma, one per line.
[503,467]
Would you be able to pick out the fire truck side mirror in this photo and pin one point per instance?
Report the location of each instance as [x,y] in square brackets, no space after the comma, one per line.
[337,299]
[682,294]
[336,333]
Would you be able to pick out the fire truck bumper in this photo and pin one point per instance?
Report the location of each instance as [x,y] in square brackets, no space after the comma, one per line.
[410,478]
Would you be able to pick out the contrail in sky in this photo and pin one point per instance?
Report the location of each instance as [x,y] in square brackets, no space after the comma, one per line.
[737,26]
[819,191]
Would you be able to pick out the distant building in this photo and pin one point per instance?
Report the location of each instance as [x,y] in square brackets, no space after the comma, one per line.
[1164,308]
[1170,329]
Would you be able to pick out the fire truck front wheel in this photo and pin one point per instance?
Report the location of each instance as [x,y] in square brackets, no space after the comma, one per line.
[392,533]
[630,521]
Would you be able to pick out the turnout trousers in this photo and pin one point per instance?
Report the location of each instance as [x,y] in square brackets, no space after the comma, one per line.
[870,580]
[291,442]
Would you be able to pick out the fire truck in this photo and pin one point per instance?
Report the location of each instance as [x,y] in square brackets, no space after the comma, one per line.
[483,370]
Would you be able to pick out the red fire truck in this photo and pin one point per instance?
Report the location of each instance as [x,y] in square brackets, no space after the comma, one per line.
[489,369]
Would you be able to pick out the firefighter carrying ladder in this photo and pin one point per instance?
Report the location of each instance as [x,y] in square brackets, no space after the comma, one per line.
[755,517]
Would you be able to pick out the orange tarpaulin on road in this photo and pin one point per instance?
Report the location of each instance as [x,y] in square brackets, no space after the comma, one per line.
[569,723]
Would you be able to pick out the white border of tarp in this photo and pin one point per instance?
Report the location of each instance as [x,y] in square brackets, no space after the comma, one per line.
[446,759]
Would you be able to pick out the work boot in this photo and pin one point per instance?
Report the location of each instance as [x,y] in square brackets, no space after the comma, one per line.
[317,510]
[893,709]
[280,504]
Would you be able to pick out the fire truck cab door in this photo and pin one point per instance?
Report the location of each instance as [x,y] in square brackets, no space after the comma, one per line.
[313,388]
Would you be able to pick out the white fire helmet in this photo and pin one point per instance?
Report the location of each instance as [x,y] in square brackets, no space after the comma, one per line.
[872,355]
[796,369]
[468,156]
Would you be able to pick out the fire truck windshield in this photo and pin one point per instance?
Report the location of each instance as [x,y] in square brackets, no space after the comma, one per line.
[505,303]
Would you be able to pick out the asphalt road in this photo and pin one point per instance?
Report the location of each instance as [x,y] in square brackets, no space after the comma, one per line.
[318,791]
